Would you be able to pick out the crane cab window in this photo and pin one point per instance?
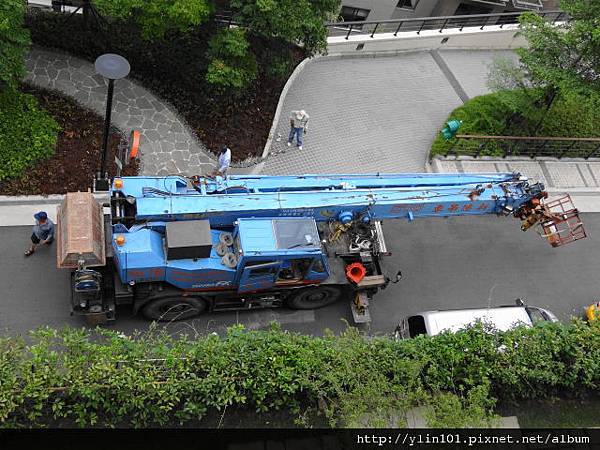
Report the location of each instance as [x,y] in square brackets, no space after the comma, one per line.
[261,268]
[293,270]
[261,271]
[318,266]
[296,233]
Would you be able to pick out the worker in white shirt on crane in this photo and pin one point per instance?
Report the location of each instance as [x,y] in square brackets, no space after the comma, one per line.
[223,162]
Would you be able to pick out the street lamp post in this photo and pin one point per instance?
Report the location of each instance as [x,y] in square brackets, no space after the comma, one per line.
[113,67]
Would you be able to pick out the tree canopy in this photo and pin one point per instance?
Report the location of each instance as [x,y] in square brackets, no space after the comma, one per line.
[300,21]
[14,42]
[157,17]
[292,20]
[232,65]
[567,56]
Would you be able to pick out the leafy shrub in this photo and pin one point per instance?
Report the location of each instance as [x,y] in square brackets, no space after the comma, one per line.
[518,112]
[27,133]
[232,65]
[280,67]
[105,378]
[448,410]
[14,42]
[157,17]
[292,20]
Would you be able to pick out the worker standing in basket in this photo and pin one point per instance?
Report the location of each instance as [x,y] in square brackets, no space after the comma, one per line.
[43,232]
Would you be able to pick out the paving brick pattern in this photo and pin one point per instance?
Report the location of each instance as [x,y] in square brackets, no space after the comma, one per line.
[471,67]
[580,174]
[366,115]
[531,169]
[167,145]
[479,168]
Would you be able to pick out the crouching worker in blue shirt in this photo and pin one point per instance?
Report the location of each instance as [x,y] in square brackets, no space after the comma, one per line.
[43,232]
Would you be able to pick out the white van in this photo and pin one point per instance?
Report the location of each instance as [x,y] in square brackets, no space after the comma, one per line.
[502,318]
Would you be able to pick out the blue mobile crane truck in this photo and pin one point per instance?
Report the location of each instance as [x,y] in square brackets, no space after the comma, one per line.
[174,247]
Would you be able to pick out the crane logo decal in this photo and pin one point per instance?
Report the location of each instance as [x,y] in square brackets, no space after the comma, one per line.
[402,208]
[454,207]
[209,285]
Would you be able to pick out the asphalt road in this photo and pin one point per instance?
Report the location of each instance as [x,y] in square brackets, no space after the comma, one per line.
[447,263]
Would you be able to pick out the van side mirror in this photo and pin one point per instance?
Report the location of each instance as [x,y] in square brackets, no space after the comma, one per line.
[519,302]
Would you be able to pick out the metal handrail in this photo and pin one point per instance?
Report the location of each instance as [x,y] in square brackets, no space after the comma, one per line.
[419,24]
[528,138]
[532,146]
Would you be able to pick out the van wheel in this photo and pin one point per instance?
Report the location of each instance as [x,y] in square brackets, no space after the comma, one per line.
[168,309]
[314,298]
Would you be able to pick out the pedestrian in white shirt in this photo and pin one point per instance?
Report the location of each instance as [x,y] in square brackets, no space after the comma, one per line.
[224,161]
[298,127]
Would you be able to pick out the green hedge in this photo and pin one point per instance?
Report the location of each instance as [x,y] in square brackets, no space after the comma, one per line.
[27,133]
[104,378]
[571,115]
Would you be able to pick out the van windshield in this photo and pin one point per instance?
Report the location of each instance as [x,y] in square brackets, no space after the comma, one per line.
[536,315]
[416,326]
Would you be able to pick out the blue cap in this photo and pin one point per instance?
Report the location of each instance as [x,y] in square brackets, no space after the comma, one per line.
[41,215]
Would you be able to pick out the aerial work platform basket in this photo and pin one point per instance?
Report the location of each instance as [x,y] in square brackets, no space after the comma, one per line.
[560,223]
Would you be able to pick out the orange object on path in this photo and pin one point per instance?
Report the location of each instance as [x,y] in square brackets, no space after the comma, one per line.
[134,144]
[355,272]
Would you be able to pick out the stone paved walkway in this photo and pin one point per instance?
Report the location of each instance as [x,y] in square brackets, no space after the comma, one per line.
[368,114]
[167,145]
[372,114]
[471,67]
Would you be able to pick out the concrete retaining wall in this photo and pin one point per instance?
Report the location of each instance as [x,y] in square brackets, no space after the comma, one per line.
[491,37]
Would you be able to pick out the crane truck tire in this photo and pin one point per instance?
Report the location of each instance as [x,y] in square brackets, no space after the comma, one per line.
[173,308]
[314,298]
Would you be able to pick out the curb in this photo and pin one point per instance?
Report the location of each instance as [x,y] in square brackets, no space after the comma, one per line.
[376,53]
[52,199]
[6,200]
[257,168]
[299,68]
[513,158]
[574,190]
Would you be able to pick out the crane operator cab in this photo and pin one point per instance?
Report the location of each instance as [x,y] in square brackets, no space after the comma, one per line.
[260,262]
[277,252]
